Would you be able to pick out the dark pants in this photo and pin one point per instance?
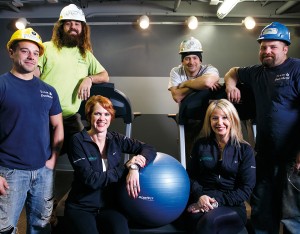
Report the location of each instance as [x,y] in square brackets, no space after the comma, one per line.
[105,221]
[72,125]
[222,220]
[191,131]
[274,199]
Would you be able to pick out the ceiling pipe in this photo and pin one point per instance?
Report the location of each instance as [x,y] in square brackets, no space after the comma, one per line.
[165,23]
[176,5]
[11,6]
[285,7]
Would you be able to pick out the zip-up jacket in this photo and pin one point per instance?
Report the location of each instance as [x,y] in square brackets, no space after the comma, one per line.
[230,180]
[92,187]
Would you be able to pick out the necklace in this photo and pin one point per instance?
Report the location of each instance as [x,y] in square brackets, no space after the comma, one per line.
[221,147]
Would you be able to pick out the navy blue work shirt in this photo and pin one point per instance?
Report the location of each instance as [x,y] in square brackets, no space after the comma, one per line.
[277,96]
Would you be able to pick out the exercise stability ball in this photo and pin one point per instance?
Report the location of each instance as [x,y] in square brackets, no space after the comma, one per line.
[164,193]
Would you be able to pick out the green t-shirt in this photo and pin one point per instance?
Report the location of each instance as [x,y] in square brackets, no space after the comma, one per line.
[65,69]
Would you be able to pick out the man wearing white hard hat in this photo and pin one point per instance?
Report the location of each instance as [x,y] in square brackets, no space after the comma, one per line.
[191,76]
[69,65]
[28,152]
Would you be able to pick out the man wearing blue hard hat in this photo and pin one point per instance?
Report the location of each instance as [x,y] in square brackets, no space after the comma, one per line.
[276,87]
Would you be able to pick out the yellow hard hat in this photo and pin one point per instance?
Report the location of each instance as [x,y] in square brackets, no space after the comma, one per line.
[27,34]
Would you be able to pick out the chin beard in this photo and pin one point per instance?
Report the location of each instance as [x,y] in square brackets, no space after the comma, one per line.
[268,62]
[70,40]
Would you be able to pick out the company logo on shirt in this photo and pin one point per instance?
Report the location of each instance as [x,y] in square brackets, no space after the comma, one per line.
[285,76]
[92,158]
[46,94]
[206,158]
[81,61]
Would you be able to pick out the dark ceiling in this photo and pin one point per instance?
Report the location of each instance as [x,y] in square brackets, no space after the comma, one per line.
[168,10]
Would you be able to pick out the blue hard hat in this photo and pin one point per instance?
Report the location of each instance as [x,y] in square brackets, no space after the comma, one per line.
[275,31]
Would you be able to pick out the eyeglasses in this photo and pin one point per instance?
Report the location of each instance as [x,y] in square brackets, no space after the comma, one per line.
[292,178]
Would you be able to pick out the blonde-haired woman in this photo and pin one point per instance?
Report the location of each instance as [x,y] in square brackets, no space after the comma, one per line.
[222,173]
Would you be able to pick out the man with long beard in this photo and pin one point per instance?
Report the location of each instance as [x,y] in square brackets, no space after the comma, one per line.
[70,67]
[276,87]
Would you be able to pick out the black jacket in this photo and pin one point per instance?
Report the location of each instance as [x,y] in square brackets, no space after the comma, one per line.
[92,188]
[230,181]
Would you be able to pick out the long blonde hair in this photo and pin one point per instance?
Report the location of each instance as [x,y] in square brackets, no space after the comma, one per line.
[229,110]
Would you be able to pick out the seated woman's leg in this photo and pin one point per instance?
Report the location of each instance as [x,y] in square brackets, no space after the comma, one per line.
[223,220]
[80,222]
[112,222]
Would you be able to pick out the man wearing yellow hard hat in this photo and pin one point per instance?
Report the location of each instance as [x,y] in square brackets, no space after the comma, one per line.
[28,106]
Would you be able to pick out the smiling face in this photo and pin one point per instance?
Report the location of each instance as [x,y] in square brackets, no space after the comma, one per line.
[25,57]
[272,53]
[100,119]
[220,124]
[192,64]
[72,33]
[73,27]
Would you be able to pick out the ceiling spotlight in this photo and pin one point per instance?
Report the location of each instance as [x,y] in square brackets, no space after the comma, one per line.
[144,22]
[21,23]
[192,22]
[249,22]
[226,7]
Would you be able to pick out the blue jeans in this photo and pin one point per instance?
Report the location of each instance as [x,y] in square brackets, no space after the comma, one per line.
[35,190]
[275,200]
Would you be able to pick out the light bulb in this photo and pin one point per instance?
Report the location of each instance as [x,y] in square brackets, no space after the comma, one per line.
[192,22]
[144,22]
[21,23]
[249,22]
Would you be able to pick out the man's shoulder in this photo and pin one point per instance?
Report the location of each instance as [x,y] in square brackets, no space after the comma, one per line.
[4,75]
[251,67]
[294,60]
[48,43]
[178,69]
[209,66]
[49,47]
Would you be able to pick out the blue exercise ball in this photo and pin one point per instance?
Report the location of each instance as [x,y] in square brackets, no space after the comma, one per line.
[164,193]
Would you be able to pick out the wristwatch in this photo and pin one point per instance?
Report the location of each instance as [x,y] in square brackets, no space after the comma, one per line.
[133,167]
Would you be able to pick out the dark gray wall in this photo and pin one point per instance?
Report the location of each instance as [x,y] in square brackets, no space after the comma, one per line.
[139,63]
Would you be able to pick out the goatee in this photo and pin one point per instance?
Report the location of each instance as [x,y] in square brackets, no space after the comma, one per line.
[267,62]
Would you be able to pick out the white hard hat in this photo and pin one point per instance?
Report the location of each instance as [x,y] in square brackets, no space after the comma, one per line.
[72,12]
[190,45]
